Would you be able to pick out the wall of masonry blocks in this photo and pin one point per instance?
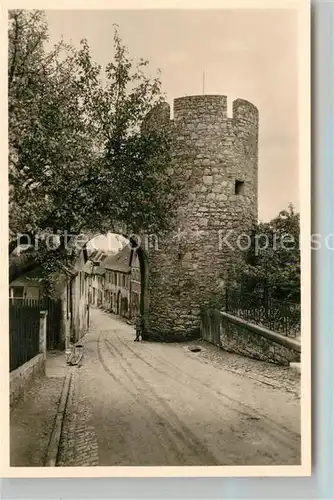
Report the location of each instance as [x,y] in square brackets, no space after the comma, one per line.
[22,377]
[211,151]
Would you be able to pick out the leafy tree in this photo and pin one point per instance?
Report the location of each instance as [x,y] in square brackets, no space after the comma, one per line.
[78,158]
[272,262]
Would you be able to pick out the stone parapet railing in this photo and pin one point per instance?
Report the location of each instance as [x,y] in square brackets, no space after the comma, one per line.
[237,335]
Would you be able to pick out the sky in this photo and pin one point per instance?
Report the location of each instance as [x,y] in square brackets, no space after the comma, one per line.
[249,54]
[109,243]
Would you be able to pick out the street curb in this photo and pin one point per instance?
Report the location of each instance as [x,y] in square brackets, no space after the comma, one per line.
[52,454]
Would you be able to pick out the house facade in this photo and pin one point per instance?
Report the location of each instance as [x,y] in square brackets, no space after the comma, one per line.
[96,286]
[80,307]
[114,283]
[95,276]
[135,286]
[68,313]
[117,282]
[72,291]
[26,287]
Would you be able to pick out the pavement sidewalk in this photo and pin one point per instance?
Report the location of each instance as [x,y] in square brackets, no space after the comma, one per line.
[33,417]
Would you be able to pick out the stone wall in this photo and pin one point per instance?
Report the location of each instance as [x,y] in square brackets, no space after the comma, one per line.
[246,339]
[22,377]
[211,152]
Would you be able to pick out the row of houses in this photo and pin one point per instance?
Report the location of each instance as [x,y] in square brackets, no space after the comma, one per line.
[97,279]
[114,282]
[40,322]
[68,309]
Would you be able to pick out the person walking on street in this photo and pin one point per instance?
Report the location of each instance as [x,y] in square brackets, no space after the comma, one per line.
[138,329]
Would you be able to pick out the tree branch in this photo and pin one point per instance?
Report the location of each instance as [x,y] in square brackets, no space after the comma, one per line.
[12,66]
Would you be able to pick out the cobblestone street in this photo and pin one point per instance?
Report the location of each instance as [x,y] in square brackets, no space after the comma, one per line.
[161,404]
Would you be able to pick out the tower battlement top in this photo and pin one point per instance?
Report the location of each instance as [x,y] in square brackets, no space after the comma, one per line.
[205,109]
[198,106]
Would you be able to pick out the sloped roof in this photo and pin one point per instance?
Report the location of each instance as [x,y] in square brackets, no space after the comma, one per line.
[119,262]
[93,254]
[98,255]
[98,270]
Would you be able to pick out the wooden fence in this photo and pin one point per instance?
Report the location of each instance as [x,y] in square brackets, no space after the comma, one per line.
[24,317]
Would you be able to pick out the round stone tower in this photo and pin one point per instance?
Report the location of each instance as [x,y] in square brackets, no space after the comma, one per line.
[216,159]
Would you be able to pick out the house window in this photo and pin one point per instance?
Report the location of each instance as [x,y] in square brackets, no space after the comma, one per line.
[16,292]
[115,278]
[239,187]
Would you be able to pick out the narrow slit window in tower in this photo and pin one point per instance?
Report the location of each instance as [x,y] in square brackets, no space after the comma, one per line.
[239,187]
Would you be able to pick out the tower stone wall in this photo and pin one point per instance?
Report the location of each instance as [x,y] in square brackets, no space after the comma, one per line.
[215,158]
